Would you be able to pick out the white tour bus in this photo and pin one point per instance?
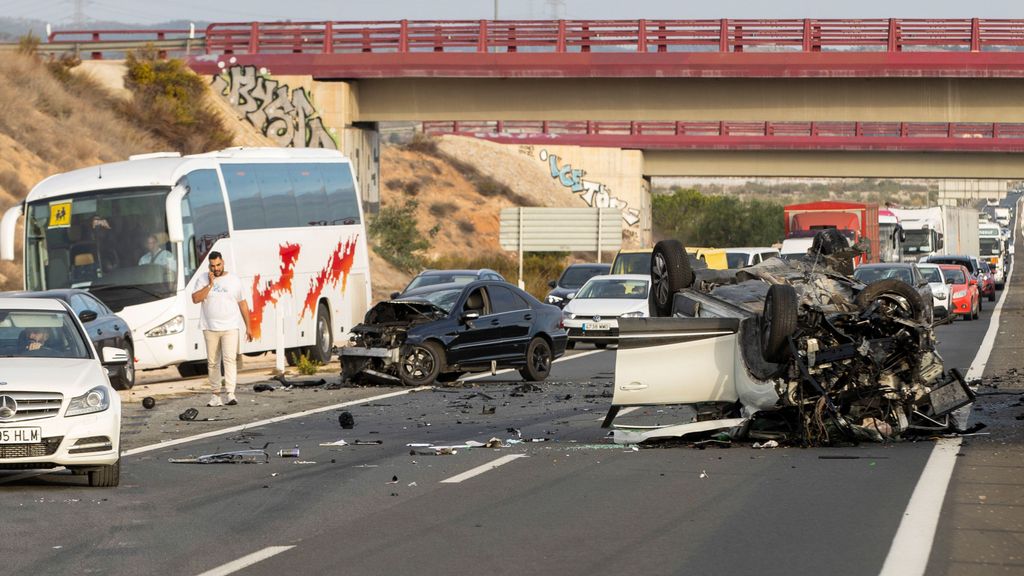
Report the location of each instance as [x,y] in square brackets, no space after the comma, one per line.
[137,234]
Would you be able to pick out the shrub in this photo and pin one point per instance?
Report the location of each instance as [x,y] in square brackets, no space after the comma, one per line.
[169,99]
[305,365]
[423,143]
[28,44]
[394,183]
[466,227]
[396,237]
[412,187]
[443,209]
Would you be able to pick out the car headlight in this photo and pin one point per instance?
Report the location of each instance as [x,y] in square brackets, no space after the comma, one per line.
[552,299]
[95,400]
[941,295]
[959,293]
[570,295]
[568,316]
[173,326]
[635,314]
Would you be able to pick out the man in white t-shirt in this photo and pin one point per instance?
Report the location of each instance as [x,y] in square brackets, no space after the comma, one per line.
[223,310]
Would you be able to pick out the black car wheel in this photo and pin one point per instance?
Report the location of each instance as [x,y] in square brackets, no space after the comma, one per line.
[992,296]
[421,364]
[670,272]
[321,351]
[125,377]
[538,360]
[778,321]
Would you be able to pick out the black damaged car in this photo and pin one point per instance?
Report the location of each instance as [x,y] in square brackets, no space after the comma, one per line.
[440,332]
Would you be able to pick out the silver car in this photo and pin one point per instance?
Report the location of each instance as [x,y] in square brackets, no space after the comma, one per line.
[940,290]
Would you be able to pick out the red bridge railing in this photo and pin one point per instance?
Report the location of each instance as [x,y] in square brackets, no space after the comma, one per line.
[637,36]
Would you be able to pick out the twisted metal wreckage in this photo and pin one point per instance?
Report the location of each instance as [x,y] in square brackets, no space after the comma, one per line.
[792,350]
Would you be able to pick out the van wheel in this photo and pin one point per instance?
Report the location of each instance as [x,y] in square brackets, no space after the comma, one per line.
[778,322]
[125,378]
[538,360]
[321,351]
[106,476]
[670,272]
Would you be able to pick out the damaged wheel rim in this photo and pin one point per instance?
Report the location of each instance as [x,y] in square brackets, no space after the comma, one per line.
[659,273]
[418,363]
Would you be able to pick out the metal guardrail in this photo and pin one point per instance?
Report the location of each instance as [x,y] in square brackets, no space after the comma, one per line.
[908,130]
[95,49]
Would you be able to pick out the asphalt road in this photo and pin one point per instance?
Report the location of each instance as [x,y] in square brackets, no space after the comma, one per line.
[572,504]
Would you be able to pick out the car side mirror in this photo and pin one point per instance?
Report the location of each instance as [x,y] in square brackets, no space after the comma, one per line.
[468,317]
[87,316]
[394,295]
[552,283]
[114,355]
[974,281]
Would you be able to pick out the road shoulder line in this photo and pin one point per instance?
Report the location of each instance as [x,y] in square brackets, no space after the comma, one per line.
[481,469]
[246,561]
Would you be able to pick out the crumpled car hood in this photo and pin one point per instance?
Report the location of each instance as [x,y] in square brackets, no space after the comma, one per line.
[408,309]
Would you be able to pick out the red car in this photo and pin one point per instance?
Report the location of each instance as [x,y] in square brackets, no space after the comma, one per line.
[963,287]
[987,283]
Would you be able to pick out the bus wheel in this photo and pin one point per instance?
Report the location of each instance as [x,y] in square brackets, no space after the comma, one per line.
[321,351]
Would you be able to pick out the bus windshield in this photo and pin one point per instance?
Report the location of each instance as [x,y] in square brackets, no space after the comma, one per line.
[111,242]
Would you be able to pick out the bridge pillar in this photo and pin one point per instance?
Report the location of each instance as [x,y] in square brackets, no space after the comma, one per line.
[954,192]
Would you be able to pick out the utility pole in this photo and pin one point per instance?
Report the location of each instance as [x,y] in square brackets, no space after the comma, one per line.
[495,9]
[78,14]
[557,9]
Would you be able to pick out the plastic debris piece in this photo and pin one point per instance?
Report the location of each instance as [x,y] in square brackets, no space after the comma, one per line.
[263,387]
[475,444]
[303,462]
[233,457]
[494,443]
[188,415]
[487,409]
[704,474]
[367,442]
[346,420]
[394,480]
[335,443]
[148,402]
[515,431]
[411,484]
[765,444]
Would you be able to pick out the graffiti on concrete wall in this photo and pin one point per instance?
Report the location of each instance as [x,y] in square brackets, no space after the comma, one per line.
[285,115]
[595,194]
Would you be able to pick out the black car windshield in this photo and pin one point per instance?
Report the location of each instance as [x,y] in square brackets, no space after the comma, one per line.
[113,243]
[443,299]
[40,334]
[429,279]
[931,274]
[576,276]
[872,274]
[736,260]
[614,288]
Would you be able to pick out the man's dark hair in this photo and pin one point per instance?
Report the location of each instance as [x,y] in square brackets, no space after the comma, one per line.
[216,255]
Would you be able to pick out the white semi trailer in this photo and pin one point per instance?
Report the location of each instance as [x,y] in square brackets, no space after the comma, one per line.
[939,230]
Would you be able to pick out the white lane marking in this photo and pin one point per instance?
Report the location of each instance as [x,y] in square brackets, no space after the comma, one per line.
[506,370]
[246,561]
[481,469]
[258,423]
[912,545]
[913,542]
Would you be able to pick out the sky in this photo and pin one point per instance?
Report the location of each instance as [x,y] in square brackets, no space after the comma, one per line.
[60,12]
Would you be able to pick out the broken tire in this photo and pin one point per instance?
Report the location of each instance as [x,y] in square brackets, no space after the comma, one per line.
[670,272]
[778,322]
[909,300]
[538,360]
[421,364]
[828,242]
[106,476]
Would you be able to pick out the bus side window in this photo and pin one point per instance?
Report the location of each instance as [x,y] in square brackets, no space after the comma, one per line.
[277,194]
[310,196]
[341,193]
[205,220]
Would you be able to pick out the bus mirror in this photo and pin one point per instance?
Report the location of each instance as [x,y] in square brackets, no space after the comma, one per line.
[8,225]
[175,230]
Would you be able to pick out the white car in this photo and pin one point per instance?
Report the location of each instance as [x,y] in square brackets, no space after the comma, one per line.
[593,314]
[941,293]
[743,257]
[57,407]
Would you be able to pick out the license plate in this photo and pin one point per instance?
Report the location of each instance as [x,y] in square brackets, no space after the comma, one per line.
[20,435]
[597,326]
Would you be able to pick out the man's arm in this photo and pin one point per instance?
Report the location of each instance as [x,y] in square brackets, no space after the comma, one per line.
[243,307]
[200,295]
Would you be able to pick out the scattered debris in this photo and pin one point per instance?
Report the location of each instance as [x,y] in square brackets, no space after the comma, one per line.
[487,409]
[394,480]
[346,420]
[527,387]
[303,462]
[335,443]
[766,444]
[233,457]
[188,415]
[367,442]
[148,402]
[515,431]
[704,474]
[289,452]
[263,387]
